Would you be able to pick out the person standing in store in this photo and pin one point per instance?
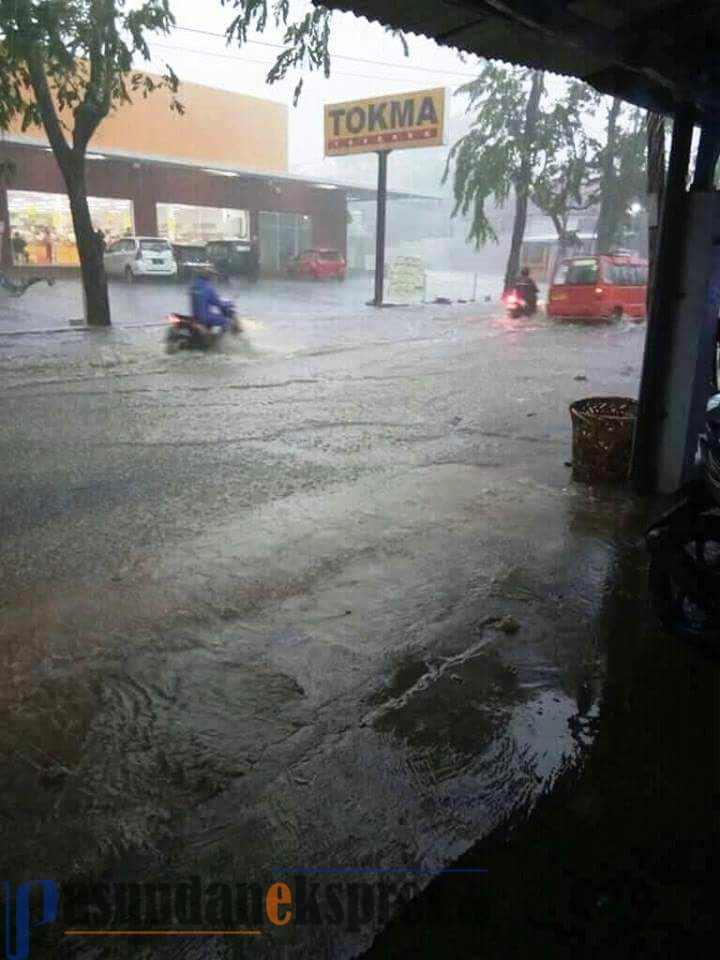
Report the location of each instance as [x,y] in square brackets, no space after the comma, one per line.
[18,248]
[48,244]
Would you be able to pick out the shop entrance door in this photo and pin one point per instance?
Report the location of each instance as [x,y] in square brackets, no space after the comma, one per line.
[282,237]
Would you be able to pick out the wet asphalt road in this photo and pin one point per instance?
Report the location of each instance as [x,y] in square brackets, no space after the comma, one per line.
[324,599]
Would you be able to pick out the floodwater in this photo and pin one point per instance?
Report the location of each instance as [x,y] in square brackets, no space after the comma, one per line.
[325,600]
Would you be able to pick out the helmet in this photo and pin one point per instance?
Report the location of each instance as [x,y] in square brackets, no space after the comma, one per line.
[525,272]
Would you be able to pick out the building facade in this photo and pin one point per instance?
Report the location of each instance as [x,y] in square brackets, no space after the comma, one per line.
[217,171]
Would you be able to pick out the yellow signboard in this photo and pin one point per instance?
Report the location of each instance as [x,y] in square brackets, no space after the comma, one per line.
[392,122]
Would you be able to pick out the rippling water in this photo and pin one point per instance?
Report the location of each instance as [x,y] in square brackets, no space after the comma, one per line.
[324,600]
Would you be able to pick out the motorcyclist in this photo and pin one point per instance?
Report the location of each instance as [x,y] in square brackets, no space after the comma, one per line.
[208,308]
[527,289]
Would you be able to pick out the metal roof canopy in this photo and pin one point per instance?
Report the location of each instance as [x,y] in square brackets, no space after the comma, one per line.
[658,54]
[354,192]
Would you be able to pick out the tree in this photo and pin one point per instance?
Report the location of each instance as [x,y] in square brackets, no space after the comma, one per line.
[607,223]
[65,65]
[622,164]
[498,153]
[563,179]
[525,142]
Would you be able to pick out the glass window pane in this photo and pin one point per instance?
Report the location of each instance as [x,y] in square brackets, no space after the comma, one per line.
[41,225]
[282,236]
[562,272]
[582,272]
[184,223]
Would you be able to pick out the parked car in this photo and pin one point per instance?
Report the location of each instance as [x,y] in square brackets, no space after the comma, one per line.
[190,258]
[604,287]
[231,258]
[135,257]
[318,263]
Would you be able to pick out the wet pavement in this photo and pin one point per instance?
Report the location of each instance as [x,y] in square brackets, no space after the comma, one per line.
[328,600]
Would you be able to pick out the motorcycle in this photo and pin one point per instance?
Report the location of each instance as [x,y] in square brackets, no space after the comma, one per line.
[516,306]
[187,333]
[684,547]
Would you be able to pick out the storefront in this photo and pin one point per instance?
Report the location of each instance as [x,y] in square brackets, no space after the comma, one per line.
[41,225]
[180,201]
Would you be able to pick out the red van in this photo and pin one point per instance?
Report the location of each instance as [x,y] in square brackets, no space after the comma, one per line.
[604,287]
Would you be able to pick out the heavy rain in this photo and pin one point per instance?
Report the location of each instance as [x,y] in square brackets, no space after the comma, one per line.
[302,583]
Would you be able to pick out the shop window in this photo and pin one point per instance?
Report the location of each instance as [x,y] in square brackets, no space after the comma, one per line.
[182,223]
[41,227]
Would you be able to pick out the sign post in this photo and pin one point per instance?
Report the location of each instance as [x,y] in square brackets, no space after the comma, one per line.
[385,123]
[380,227]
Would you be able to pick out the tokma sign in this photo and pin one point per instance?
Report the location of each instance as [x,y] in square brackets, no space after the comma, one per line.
[391,122]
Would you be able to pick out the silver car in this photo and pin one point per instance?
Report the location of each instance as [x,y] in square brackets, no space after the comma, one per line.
[134,257]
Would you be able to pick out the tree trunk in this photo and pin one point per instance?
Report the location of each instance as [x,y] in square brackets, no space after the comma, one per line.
[90,250]
[512,268]
[522,182]
[609,217]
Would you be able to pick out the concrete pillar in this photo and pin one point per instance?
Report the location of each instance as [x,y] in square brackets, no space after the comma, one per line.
[689,382]
[663,299]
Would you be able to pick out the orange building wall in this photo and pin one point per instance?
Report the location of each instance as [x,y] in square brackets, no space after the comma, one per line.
[218,127]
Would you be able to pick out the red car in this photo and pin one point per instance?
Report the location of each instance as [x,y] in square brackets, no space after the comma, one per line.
[604,287]
[319,264]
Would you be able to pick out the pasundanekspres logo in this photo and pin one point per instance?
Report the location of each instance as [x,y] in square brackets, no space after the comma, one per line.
[194,908]
[17,915]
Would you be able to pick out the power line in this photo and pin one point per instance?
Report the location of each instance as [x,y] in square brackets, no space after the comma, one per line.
[239,58]
[341,56]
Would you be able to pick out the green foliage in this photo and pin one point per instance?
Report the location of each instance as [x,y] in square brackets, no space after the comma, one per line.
[306,40]
[556,159]
[489,158]
[79,55]
[564,176]
[621,165]
[629,183]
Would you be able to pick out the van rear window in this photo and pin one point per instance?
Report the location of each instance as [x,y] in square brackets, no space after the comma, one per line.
[577,272]
[625,274]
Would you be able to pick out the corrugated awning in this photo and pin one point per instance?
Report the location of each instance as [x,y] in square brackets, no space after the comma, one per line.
[659,54]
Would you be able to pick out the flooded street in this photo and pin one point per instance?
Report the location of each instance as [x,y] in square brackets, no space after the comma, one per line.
[326,599]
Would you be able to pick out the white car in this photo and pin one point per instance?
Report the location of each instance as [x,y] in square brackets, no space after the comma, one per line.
[134,257]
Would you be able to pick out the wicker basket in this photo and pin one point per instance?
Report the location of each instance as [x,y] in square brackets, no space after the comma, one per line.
[602,438]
